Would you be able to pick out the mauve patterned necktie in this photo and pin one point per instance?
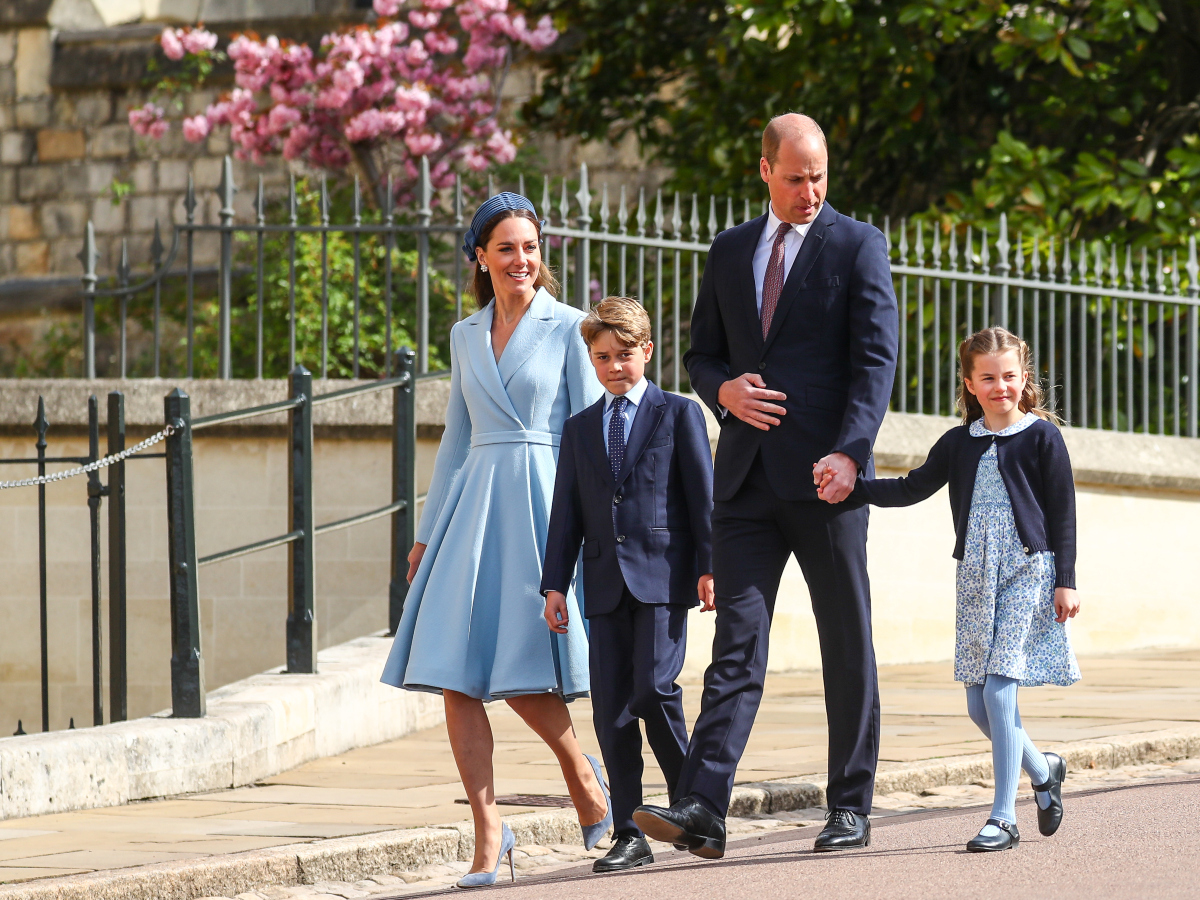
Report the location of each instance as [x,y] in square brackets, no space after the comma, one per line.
[773,280]
[616,436]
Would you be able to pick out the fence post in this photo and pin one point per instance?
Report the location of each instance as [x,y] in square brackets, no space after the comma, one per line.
[95,492]
[88,257]
[187,664]
[424,215]
[404,481]
[1193,353]
[118,696]
[41,424]
[301,620]
[583,247]
[226,190]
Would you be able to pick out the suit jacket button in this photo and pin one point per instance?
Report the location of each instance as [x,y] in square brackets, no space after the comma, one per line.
[620,538]
[617,499]
[761,366]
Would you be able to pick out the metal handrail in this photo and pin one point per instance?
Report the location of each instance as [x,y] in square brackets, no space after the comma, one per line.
[247,549]
[382,385]
[252,412]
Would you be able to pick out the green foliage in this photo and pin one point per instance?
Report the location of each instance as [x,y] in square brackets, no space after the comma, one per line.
[1080,116]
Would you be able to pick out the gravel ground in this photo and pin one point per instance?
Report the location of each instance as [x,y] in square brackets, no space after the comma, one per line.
[541,860]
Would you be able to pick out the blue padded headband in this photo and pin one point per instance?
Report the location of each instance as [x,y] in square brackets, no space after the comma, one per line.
[487,211]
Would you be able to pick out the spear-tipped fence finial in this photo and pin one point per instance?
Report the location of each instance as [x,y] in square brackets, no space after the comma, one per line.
[324,199]
[729,223]
[123,267]
[226,189]
[658,213]
[260,209]
[189,199]
[584,198]
[604,211]
[389,199]
[694,222]
[1193,270]
[292,212]
[424,193]
[712,217]
[356,202]
[564,205]
[676,219]
[458,201]
[641,212]
[1003,246]
[156,247]
[546,197]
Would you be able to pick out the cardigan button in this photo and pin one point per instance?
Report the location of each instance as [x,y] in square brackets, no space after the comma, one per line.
[1026,549]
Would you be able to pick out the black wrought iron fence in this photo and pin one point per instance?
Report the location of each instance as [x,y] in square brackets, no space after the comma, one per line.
[96,492]
[1114,331]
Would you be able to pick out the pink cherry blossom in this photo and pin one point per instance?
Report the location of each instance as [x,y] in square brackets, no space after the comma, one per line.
[196,129]
[197,40]
[397,89]
[171,44]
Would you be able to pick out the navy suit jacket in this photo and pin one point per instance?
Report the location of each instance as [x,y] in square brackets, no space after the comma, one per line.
[649,529]
[831,349]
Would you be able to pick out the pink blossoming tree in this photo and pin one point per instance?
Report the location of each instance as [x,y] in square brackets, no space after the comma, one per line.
[375,98]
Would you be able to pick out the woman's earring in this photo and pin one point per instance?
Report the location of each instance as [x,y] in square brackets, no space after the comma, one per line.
[482,267]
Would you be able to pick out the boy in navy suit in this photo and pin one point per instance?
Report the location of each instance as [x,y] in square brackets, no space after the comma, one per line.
[634,489]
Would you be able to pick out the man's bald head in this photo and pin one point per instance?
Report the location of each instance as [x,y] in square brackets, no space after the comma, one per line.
[789,127]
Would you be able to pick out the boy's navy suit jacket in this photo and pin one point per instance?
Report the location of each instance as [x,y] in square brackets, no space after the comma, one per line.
[649,529]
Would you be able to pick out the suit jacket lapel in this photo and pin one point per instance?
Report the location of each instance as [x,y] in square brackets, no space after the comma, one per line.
[814,242]
[745,278]
[593,438]
[535,326]
[645,423]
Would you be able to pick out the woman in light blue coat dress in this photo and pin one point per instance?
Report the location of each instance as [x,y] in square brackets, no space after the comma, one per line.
[472,627]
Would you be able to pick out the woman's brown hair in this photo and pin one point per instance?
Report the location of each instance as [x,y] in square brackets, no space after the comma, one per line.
[481,284]
[993,341]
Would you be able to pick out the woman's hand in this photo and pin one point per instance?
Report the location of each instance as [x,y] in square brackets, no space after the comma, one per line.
[708,597]
[1066,604]
[414,559]
[556,612]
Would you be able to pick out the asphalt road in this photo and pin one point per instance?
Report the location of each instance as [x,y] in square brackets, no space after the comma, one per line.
[1136,842]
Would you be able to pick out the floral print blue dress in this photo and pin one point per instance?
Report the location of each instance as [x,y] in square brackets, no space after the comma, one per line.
[1005,618]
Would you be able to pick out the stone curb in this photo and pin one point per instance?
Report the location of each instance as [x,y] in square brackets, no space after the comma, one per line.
[353,859]
[255,728]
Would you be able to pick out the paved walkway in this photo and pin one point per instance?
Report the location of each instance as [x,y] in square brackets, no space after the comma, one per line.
[412,782]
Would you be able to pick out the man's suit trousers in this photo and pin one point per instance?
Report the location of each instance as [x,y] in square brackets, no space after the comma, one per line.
[636,654]
[754,532]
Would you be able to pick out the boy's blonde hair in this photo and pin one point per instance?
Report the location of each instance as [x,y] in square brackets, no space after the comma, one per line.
[622,316]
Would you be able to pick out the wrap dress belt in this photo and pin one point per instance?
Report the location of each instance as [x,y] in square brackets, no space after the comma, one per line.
[515,437]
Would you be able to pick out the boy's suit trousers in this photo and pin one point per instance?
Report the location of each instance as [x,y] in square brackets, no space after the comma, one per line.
[633,677]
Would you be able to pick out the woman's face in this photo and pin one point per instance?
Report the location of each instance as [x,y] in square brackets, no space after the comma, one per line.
[513,257]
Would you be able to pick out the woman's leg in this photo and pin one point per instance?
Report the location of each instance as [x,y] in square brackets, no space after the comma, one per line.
[471,740]
[548,716]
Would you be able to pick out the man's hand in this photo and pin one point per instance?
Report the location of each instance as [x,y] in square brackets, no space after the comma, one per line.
[414,559]
[747,398]
[835,474]
[556,612]
[708,597]
[1066,604]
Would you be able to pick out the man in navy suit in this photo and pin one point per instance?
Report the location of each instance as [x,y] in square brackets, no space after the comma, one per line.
[794,348]
[634,488]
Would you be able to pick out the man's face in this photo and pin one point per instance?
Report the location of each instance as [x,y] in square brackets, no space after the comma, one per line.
[799,179]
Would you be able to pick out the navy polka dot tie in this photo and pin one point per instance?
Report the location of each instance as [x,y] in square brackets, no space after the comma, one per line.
[616,436]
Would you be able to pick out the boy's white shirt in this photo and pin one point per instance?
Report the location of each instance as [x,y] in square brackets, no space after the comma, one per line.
[634,395]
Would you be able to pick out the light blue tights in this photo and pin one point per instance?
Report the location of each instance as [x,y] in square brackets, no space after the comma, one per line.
[993,707]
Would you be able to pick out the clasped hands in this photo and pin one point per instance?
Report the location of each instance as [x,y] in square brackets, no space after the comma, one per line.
[557,618]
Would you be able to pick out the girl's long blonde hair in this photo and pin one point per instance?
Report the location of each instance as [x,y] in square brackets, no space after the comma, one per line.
[994,341]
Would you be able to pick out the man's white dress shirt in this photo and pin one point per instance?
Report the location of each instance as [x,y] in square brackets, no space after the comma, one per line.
[762,253]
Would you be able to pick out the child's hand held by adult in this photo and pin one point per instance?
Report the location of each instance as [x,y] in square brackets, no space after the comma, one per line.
[556,612]
[839,474]
[708,596]
[1066,604]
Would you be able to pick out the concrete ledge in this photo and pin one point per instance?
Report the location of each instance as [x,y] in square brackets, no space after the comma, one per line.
[66,401]
[255,728]
[356,858]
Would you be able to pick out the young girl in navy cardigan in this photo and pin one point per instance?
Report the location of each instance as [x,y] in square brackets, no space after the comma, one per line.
[1012,497]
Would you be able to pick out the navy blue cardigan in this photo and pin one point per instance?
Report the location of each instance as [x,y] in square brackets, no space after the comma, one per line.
[1036,471]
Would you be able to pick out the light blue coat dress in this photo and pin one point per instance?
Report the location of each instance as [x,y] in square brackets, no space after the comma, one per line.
[473,620]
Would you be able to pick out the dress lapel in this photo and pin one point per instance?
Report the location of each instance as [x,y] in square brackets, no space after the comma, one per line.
[535,326]
[593,438]
[645,423]
[814,242]
[483,361]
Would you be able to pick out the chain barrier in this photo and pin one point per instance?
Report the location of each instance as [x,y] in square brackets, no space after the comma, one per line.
[92,466]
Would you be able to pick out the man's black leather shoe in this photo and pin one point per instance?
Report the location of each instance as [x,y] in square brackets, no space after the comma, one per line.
[845,831]
[1051,817]
[688,823]
[1008,838]
[628,852]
